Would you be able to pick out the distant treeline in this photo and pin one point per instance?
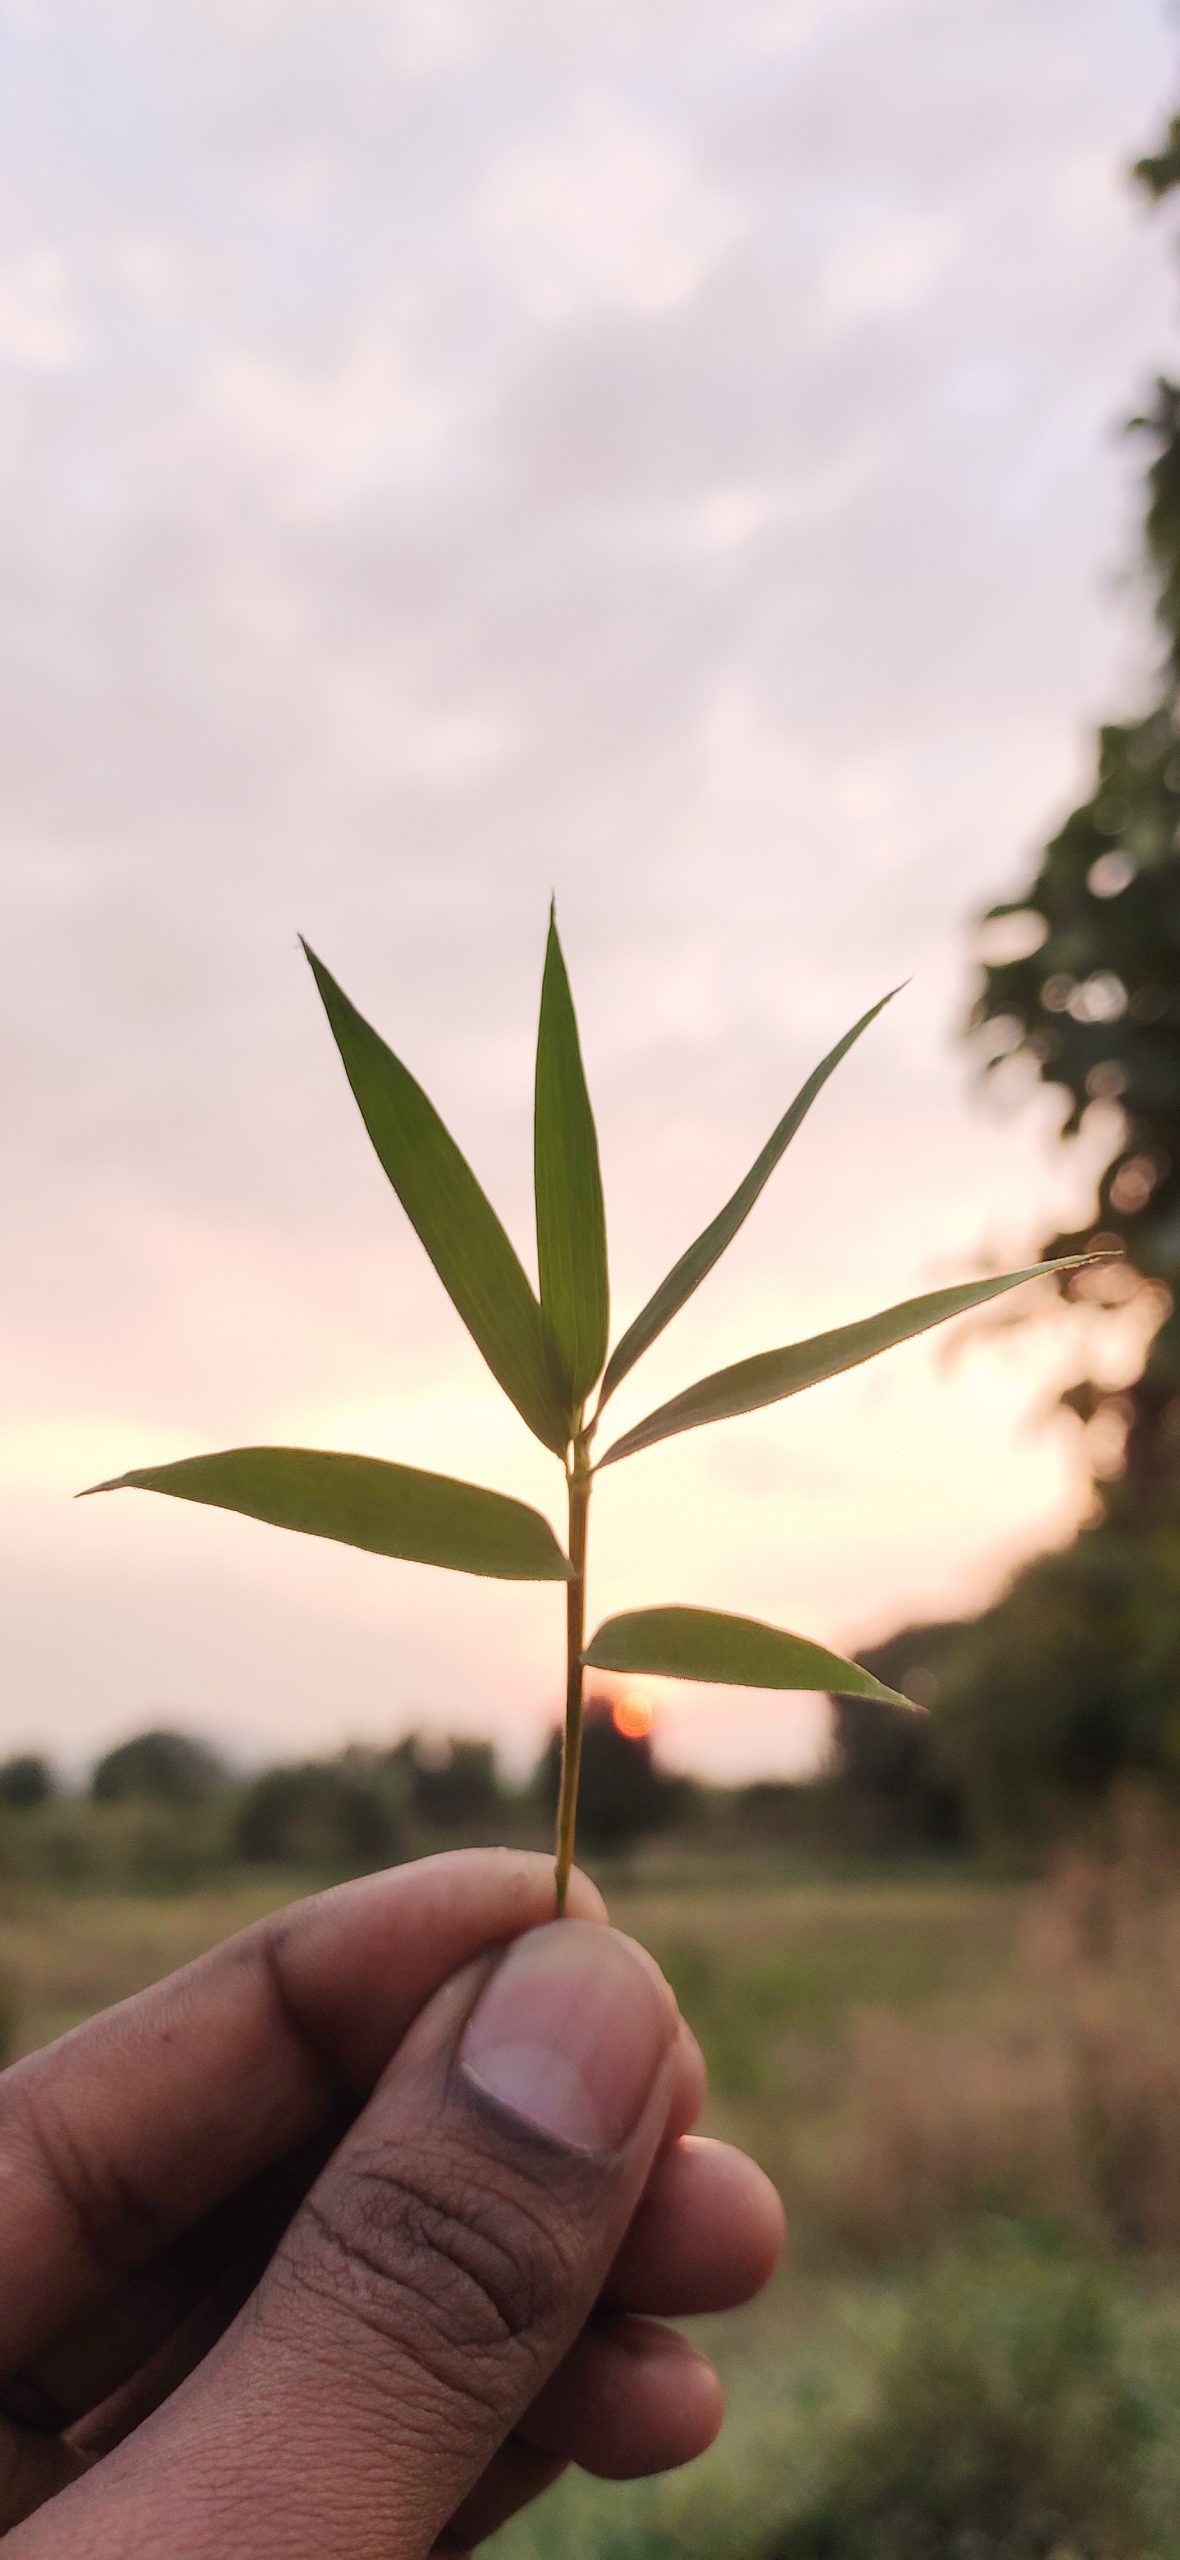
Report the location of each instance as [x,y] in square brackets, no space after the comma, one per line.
[164,1810]
[1041,1712]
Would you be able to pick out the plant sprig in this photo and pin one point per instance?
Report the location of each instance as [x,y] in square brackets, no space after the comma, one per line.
[549,1352]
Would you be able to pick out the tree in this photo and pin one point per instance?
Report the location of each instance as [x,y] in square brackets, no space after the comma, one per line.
[1072,1681]
[319,1816]
[161,1767]
[1068,1687]
[1082,981]
[624,1792]
[25,1782]
[450,1785]
[891,1773]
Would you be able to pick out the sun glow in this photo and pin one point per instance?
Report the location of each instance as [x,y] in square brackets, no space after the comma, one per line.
[632,1714]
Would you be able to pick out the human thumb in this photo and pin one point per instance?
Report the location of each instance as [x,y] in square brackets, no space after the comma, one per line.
[436,2273]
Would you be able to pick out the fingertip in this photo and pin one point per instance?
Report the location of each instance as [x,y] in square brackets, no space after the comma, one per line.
[688,2096]
[707,2237]
[776,2231]
[747,2204]
[630,2399]
[584,1899]
[682,2388]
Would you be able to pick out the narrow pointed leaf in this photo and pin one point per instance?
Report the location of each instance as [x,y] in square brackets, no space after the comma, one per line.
[365,1502]
[695,1265]
[771,1375]
[704,1644]
[456,1222]
[571,1225]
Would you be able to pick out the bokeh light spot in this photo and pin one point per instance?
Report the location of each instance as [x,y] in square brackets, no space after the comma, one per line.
[632,1714]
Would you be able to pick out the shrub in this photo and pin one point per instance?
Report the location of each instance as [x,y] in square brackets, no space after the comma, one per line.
[1015,2415]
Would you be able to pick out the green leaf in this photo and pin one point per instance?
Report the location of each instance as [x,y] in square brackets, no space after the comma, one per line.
[694,1266]
[453,1217]
[704,1644]
[771,1375]
[571,1225]
[365,1502]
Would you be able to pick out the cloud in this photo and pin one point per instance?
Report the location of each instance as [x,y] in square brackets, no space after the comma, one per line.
[608,212]
[321,435]
[148,268]
[888,273]
[427,37]
[39,327]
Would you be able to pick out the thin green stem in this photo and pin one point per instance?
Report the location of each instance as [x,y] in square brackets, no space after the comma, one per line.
[571,1742]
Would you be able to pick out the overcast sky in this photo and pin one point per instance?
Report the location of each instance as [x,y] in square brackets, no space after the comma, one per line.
[450,449]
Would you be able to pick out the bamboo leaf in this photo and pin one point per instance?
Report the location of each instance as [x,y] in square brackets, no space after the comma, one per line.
[456,1222]
[366,1502]
[771,1375]
[705,1644]
[571,1224]
[695,1265]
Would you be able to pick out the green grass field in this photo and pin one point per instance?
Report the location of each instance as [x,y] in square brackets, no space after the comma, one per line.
[970,2096]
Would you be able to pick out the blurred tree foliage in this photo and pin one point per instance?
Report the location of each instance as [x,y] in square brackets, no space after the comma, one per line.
[1068,1688]
[159,1767]
[162,1813]
[26,1781]
[319,1815]
[896,1786]
[624,1792]
[448,1785]
[1071,1683]
[1081,980]
[1040,1710]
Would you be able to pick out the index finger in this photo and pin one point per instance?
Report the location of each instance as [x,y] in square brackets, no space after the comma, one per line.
[116,2139]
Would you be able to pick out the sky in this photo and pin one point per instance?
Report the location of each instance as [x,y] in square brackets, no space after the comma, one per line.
[454,450]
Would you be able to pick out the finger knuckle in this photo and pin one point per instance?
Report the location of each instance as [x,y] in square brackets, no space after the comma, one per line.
[453,2268]
[115,2219]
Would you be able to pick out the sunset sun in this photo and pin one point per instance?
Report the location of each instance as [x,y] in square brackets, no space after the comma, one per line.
[632,1714]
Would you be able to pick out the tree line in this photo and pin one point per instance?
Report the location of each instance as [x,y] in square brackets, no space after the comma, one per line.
[164,1808]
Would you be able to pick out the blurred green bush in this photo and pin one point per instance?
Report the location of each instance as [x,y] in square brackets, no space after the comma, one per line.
[1026,2409]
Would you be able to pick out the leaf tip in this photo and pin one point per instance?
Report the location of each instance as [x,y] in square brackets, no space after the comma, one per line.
[898,1698]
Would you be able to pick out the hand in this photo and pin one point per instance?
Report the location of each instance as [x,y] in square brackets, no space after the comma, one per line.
[341,2243]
